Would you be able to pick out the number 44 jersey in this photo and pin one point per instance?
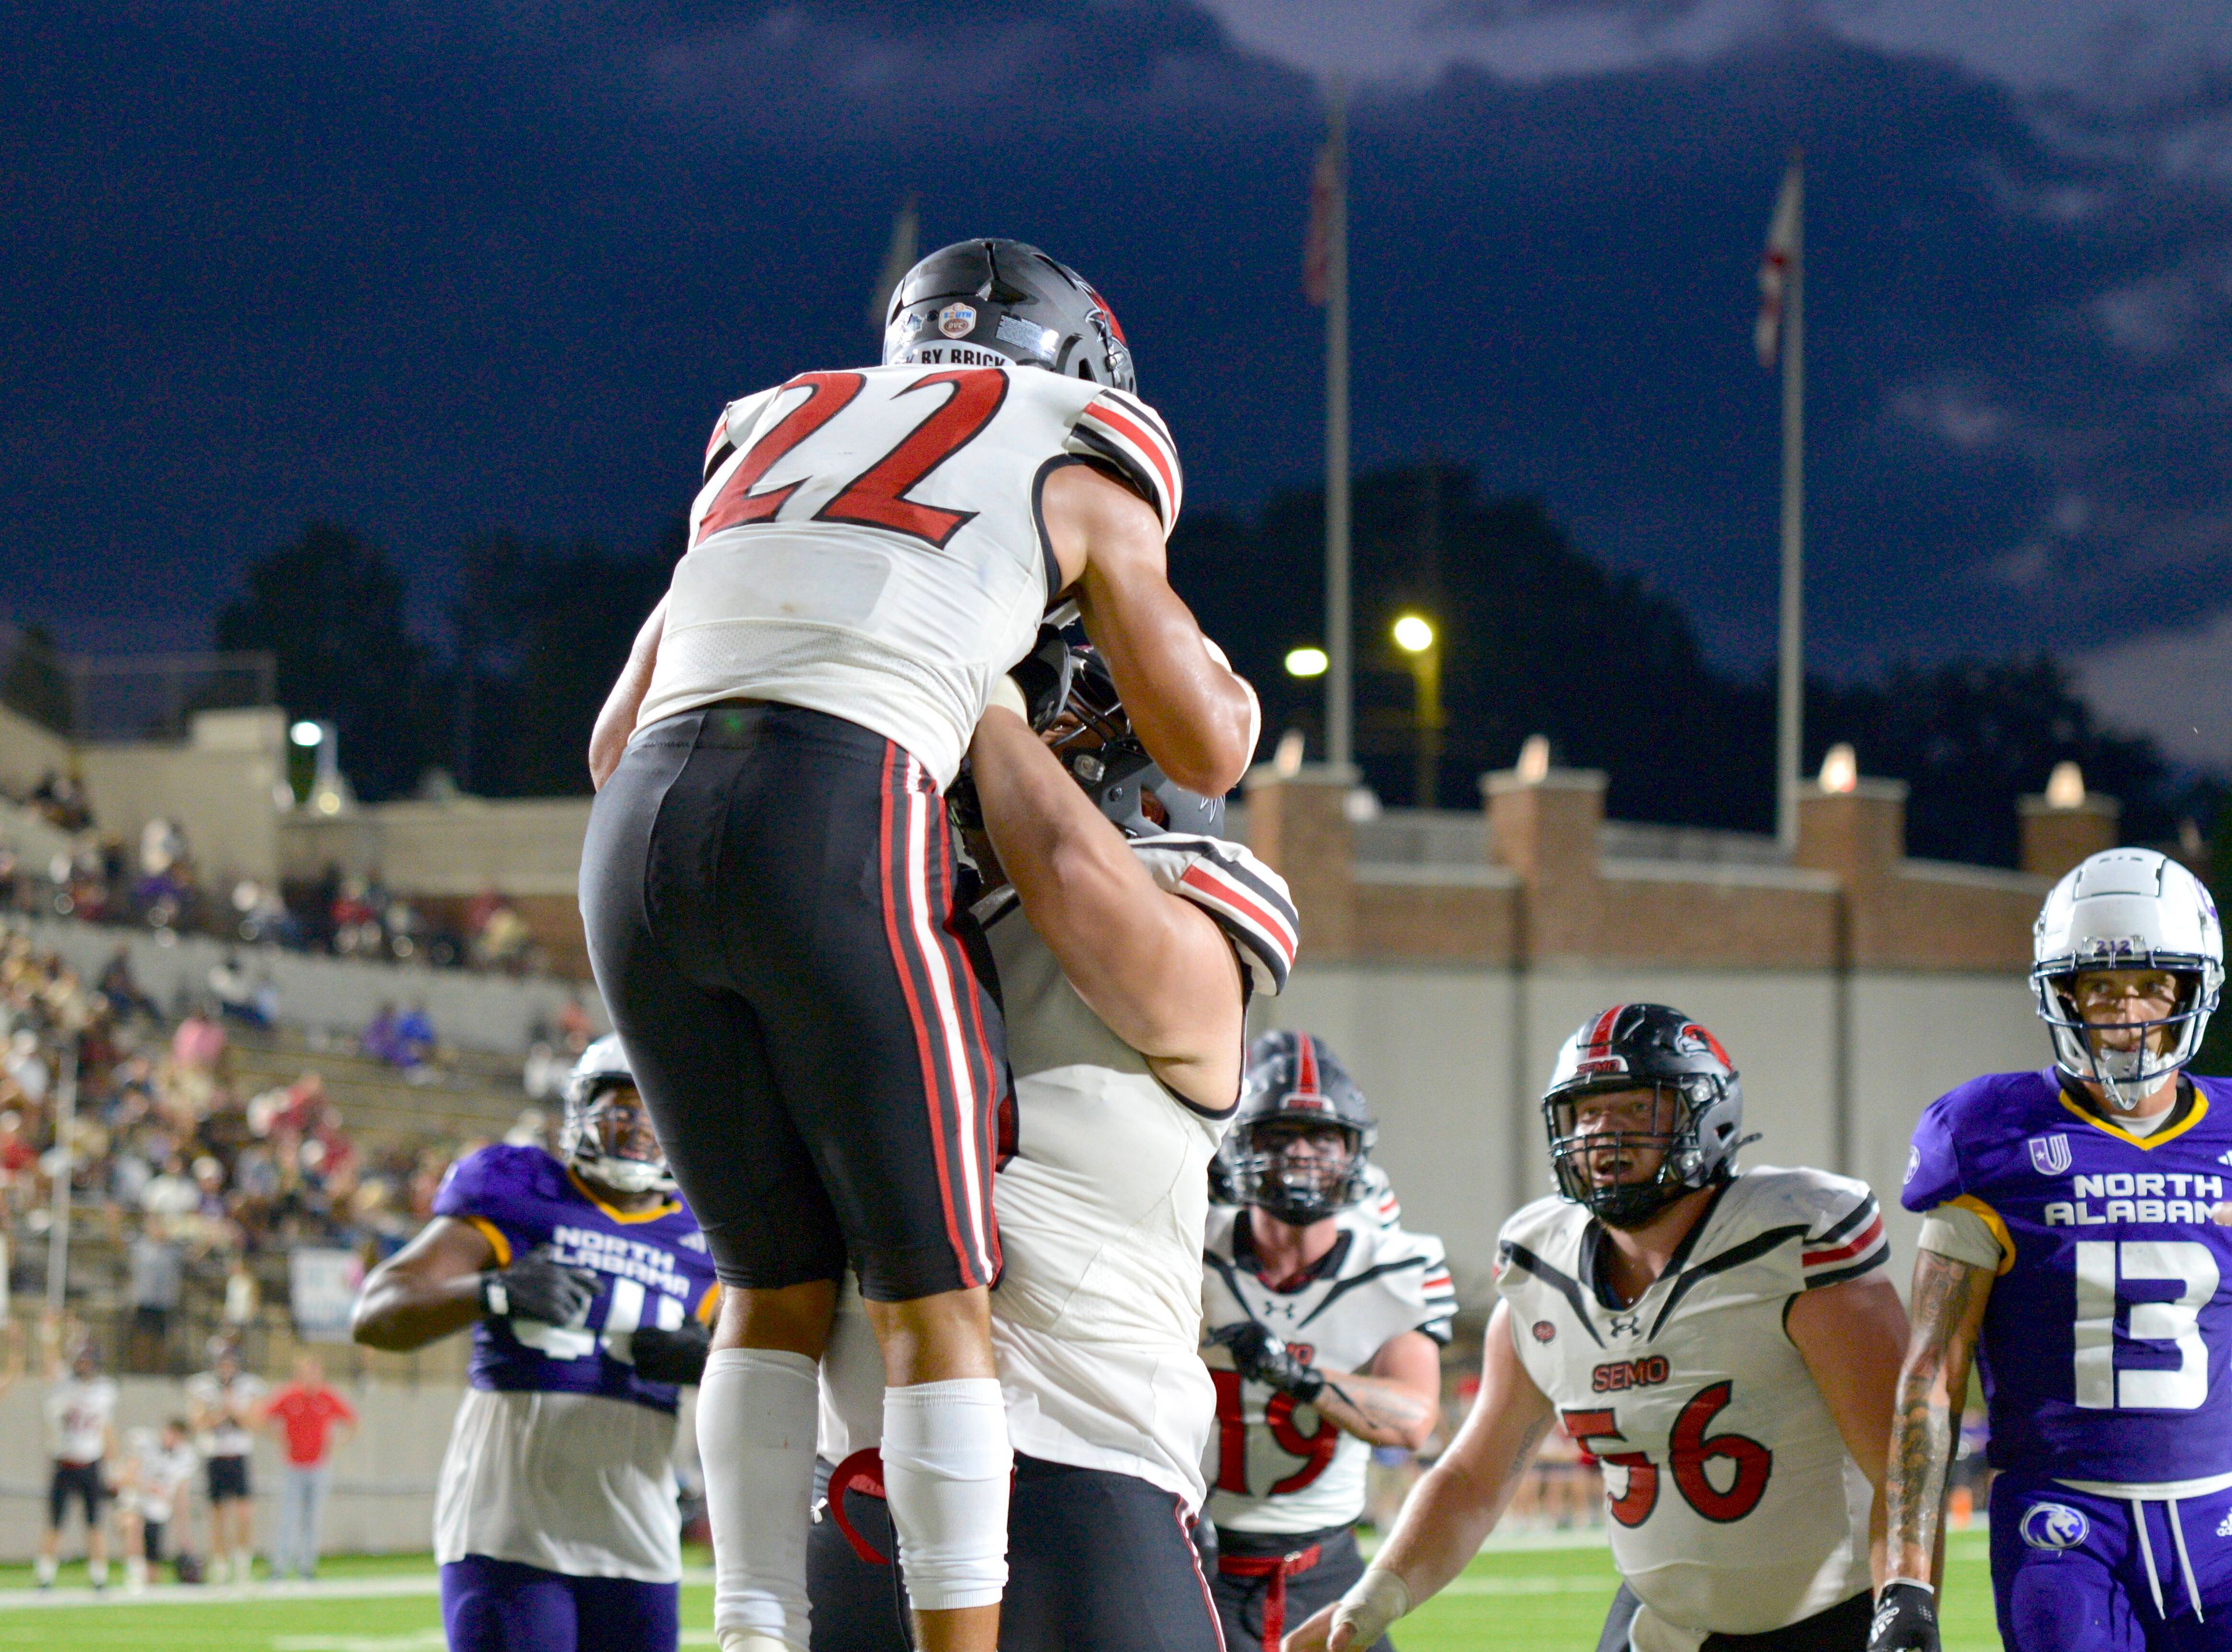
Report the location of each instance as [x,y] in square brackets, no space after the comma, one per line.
[2107,1337]
[1735,1508]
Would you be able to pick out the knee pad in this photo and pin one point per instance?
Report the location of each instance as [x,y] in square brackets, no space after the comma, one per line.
[946,1467]
[757,1411]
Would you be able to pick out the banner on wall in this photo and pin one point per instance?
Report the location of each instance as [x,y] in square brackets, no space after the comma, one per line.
[321,1287]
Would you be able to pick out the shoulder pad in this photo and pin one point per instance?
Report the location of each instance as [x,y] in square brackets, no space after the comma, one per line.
[1127,433]
[1238,890]
[730,429]
[1415,1270]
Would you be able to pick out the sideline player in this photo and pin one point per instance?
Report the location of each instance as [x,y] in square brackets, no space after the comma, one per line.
[2073,1245]
[587,1285]
[1125,972]
[153,1493]
[1334,1324]
[226,1404]
[81,1409]
[1723,1341]
[768,880]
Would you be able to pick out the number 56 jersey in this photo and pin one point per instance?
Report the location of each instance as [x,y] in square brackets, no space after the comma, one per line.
[2107,1336]
[1734,1506]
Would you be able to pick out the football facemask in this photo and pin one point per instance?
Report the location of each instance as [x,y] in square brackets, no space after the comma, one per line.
[608,1140]
[1602,1167]
[1300,1173]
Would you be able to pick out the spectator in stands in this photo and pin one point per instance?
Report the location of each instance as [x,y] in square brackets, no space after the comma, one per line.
[248,1000]
[81,1411]
[26,1066]
[404,1040]
[159,1277]
[172,1193]
[226,1403]
[121,988]
[314,1421]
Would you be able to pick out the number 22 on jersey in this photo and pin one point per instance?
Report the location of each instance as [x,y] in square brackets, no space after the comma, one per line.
[876,495]
[1690,1449]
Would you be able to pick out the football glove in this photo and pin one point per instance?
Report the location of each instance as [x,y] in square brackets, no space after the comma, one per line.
[671,1355]
[1905,1619]
[537,1287]
[1262,1357]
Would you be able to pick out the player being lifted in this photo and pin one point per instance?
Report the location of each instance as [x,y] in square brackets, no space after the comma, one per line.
[1334,1323]
[768,879]
[1124,970]
[1723,1341]
[2072,1246]
[587,1285]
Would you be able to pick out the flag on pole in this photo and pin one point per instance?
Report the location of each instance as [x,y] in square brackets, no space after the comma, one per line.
[898,258]
[1774,264]
[1317,250]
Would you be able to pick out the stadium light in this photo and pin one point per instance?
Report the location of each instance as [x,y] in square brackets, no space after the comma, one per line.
[1413,635]
[1840,768]
[306,733]
[2065,787]
[1305,661]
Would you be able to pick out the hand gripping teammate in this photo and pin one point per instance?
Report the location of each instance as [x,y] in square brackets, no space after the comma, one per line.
[1127,937]
[2072,1245]
[587,1286]
[1327,1322]
[1723,1340]
[767,882]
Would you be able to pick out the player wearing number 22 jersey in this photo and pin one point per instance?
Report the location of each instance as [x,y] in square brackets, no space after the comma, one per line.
[2072,1239]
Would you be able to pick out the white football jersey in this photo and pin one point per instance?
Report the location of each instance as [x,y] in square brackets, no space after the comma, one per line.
[78,1415]
[1735,1507]
[1275,1465]
[867,543]
[1102,1200]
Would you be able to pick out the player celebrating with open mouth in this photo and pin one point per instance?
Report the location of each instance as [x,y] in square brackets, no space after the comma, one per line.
[1723,1341]
[2073,1245]
[767,882]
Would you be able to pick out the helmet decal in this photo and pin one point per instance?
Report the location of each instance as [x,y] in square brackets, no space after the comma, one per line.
[1697,1121]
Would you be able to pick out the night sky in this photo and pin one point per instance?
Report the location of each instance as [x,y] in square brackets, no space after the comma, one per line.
[432,271]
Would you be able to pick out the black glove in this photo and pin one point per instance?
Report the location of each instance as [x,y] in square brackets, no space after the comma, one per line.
[1044,676]
[1905,1619]
[538,1287]
[1262,1357]
[671,1355]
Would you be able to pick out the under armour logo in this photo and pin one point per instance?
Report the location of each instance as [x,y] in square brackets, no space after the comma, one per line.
[1627,1324]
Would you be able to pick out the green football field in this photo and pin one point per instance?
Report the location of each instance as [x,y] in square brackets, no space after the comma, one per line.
[1522,1600]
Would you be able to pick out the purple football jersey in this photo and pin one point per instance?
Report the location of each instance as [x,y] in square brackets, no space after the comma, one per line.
[2108,1334]
[651,1269]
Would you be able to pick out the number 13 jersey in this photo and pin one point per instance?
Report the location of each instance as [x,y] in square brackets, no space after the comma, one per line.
[869,544]
[1734,1506]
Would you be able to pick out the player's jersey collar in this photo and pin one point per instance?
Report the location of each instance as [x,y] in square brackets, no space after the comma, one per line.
[1326,1266]
[666,1208]
[2187,1092]
[1593,1238]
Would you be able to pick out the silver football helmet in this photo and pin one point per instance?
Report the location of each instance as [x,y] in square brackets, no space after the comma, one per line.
[597,1141]
[2127,909]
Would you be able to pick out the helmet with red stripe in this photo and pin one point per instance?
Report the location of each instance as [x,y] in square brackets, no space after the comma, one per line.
[1692,1121]
[1009,298]
[1301,1144]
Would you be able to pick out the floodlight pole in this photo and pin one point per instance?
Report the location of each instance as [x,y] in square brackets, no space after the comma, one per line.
[1790,698]
[1339,651]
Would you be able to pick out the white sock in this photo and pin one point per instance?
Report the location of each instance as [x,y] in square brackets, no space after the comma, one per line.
[946,1464]
[46,1567]
[757,1414]
[136,1572]
[97,1572]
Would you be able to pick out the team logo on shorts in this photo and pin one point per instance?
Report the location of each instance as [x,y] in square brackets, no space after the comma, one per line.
[957,321]
[2049,1155]
[2054,1525]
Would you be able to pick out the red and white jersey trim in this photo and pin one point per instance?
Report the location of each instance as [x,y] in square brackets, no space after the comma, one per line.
[1126,431]
[1243,894]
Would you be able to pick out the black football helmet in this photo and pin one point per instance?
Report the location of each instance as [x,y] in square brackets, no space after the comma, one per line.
[1010,299]
[1293,1080]
[1635,1047]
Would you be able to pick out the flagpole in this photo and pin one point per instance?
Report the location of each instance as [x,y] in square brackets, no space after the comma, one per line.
[1790,709]
[1339,745]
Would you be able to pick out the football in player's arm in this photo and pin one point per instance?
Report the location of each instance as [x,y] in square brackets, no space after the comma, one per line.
[2074,1246]
[1328,1326]
[1723,1341]
[587,1289]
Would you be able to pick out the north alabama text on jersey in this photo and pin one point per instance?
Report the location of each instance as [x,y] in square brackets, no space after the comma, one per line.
[2130,1196]
[630,1258]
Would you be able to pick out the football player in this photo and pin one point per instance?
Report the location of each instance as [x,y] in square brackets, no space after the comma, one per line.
[588,1288]
[768,879]
[1126,971]
[1723,1341]
[1329,1326]
[2072,1246]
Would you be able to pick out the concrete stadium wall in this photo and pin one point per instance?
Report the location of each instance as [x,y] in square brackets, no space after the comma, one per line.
[382,1499]
[1836,1069]
[478,1011]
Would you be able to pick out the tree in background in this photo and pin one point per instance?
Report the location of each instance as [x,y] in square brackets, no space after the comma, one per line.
[329,607]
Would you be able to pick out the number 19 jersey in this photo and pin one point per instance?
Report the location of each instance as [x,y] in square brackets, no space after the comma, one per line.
[869,544]
[1734,1506]
[2107,1336]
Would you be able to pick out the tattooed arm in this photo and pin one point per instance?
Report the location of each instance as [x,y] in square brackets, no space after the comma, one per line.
[1456,1506]
[1947,1307]
[1394,1404]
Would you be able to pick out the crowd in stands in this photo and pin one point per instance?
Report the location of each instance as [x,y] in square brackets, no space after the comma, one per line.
[154,884]
[191,1184]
